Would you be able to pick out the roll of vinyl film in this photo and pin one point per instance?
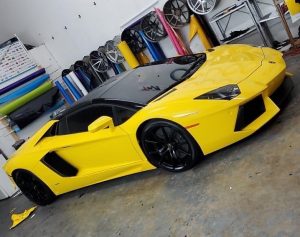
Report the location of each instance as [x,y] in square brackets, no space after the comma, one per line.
[78,83]
[24,89]
[12,106]
[22,81]
[72,88]
[159,51]
[150,47]
[128,55]
[143,58]
[64,93]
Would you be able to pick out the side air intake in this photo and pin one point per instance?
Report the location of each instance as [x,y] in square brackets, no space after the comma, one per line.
[59,165]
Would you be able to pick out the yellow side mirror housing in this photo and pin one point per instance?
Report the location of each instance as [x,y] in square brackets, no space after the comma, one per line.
[101,123]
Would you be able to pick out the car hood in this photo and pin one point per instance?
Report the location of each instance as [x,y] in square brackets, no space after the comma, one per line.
[225,65]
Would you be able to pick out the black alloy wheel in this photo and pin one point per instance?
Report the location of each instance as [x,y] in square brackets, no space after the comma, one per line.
[169,146]
[33,188]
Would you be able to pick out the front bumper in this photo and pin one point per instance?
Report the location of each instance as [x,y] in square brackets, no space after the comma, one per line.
[229,125]
[256,107]
[283,92]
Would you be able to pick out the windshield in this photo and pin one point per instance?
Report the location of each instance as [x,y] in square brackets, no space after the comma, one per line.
[146,83]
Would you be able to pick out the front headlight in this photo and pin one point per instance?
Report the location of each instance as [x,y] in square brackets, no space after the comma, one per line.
[223,93]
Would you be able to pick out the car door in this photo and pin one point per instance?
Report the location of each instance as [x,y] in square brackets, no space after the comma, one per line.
[105,154]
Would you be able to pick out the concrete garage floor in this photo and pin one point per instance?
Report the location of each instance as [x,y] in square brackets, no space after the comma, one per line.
[249,189]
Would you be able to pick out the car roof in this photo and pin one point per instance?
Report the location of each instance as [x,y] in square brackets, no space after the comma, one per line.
[136,88]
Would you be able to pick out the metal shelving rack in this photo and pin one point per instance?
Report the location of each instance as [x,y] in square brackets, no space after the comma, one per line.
[263,19]
[242,8]
[277,13]
[270,15]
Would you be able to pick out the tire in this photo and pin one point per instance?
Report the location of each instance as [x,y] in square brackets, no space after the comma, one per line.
[169,146]
[33,188]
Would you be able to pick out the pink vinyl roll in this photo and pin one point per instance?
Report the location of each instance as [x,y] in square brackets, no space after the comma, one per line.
[187,50]
[175,40]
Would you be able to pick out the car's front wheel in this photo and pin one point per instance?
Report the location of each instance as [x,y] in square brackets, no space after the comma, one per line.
[33,188]
[169,146]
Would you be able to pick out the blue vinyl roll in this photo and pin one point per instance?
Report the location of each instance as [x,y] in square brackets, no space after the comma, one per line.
[150,47]
[15,89]
[25,89]
[115,68]
[119,68]
[83,80]
[87,80]
[64,93]
[22,81]
[159,51]
[72,88]
[123,68]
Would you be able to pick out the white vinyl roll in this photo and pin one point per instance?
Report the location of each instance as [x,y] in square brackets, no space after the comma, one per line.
[78,83]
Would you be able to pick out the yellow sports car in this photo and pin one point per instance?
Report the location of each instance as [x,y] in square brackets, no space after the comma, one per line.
[167,114]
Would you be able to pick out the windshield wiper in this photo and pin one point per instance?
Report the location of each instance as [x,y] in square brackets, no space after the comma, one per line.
[193,68]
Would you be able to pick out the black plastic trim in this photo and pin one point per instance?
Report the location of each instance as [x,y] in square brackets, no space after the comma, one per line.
[249,112]
[283,91]
[59,165]
[117,102]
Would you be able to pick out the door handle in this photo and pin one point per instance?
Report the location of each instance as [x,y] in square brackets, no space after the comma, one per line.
[65,147]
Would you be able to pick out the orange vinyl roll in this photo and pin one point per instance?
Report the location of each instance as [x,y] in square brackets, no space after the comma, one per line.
[143,59]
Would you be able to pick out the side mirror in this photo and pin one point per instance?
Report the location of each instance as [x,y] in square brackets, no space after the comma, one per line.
[101,123]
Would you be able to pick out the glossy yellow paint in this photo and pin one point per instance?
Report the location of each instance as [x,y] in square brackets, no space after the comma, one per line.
[104,154]
[19,218]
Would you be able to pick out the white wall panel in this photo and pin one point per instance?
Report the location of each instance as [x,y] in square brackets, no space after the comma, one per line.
[36,21]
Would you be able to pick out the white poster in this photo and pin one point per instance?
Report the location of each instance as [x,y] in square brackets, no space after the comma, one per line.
[14,59]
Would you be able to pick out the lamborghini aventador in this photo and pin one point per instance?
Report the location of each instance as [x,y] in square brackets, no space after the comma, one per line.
[166,114]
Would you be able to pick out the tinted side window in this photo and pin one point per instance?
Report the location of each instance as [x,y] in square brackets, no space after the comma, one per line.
[62,127]
[123,114]
[79,120]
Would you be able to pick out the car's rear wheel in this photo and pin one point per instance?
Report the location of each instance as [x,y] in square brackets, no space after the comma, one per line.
[169,146]
[33,188]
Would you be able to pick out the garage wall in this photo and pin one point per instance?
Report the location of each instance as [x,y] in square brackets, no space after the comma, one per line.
[36,22]
[43,22]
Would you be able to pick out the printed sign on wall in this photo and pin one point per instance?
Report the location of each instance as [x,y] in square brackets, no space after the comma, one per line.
[14,59]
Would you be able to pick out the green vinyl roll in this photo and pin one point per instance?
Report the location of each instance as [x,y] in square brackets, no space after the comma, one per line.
[14,105]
